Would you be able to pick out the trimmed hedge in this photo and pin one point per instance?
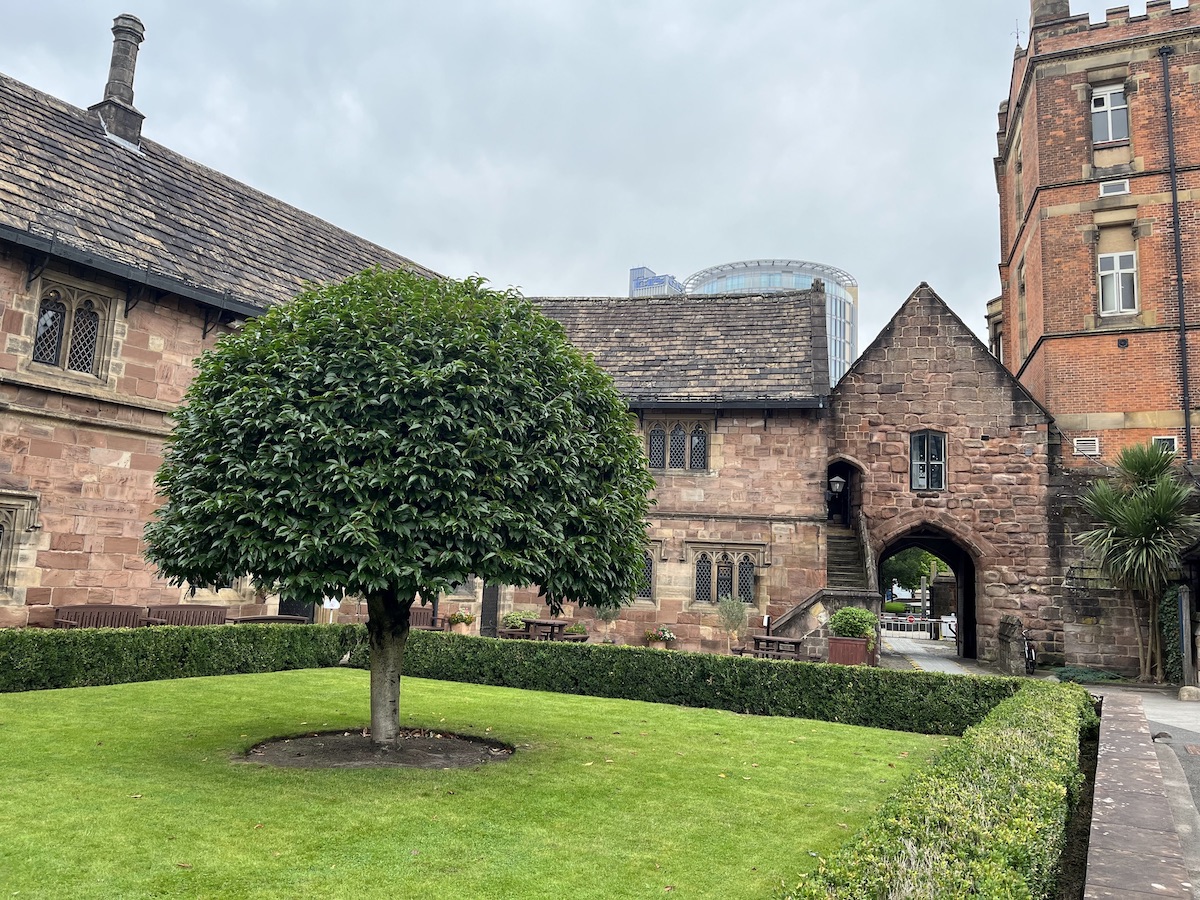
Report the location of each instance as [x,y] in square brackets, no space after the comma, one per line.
[39,659]
[922,702]
[987,819]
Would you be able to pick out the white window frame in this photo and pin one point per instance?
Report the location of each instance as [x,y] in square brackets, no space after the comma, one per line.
[1086,446]
[925,472]
[1168,442]
[1114,188]
[1119,300]
[1103,105]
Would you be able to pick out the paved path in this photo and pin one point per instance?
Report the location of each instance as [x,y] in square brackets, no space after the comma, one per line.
[928,655]
[1176,724]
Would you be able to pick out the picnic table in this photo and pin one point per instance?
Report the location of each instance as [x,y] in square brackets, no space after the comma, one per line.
[546,629]
[768,646]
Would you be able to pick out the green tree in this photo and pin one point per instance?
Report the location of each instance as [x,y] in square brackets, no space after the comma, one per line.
[1143,527]
[392,435]
[732,618]
[908,567]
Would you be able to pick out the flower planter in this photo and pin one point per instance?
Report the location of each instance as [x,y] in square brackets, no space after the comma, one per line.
[460,628]
[658,645]
[847,651]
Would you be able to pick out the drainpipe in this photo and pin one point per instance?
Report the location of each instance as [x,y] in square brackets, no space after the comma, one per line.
[1165,53]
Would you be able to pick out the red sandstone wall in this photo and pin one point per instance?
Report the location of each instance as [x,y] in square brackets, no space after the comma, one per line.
[927,371]
[89,450]
[765,489]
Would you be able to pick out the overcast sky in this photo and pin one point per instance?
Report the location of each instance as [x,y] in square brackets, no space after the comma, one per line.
[554,144]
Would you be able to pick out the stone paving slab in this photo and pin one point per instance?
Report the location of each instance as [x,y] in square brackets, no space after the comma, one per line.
[1131,774]
[1134,850]
[1124,872]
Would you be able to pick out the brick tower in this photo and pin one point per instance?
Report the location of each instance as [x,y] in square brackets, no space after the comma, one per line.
[1098,171]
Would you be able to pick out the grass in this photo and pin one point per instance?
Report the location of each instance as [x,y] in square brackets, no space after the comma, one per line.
[129,792]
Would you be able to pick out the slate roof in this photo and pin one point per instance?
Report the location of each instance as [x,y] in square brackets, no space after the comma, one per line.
[761,351]
[155,217]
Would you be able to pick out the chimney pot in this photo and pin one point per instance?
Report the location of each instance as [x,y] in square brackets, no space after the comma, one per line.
[128,32]
[116,110]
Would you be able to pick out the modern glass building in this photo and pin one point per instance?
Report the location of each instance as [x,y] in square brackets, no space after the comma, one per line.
[644,282]
[762,276]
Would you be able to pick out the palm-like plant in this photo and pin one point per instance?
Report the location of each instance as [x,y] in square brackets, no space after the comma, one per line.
[1143,529]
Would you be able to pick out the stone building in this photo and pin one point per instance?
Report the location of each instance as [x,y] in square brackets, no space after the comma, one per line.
[1098,173]
[942,448]
[120,261]
[731,395]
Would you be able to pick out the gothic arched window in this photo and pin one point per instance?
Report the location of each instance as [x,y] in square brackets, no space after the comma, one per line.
[678,445]
[69,330]
[704,579]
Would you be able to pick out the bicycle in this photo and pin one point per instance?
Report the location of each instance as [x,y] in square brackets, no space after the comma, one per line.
[1030,653]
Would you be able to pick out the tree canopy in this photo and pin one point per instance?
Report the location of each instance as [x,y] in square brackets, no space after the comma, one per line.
[394,434]
[908,567]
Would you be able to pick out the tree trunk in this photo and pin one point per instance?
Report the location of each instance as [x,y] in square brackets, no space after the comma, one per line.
[387,630]
[1156,654]
[1143,650]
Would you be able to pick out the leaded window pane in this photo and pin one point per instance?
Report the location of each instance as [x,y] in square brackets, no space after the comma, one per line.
[699,455]
[724,576]
[678,447]
[658,449]
[646,586]
[745,579]
[84,331]
[51,315]
[704,578]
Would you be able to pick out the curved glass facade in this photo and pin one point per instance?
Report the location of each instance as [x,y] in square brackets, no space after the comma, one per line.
[759,276]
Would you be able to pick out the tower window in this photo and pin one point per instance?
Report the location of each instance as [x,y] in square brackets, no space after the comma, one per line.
[1110,114]
[1118,283]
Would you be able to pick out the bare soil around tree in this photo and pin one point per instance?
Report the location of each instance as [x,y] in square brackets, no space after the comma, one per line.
[418,748]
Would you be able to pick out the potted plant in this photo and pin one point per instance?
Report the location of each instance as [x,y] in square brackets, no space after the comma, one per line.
[852,637]
[731,615]
[512,624]
[608,615]
[659,636]
[461,622]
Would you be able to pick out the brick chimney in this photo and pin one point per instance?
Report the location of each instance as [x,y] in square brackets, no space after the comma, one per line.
[1050,11]
[116,110]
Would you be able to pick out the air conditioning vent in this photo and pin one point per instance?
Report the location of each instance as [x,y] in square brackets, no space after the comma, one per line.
[1087,446]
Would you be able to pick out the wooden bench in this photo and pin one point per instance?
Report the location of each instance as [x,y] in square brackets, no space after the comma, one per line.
[268,620]
[102,616]
[189,614]
[421,618]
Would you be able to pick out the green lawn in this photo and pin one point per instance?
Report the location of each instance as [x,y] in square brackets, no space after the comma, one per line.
[129,792]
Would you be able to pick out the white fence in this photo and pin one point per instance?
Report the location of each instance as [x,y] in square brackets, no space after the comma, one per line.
[933,629]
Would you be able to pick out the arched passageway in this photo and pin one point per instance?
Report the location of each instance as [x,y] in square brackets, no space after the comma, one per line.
[946,548]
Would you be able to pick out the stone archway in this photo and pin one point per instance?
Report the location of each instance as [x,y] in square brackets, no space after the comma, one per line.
[955,554]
